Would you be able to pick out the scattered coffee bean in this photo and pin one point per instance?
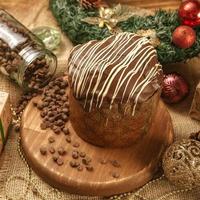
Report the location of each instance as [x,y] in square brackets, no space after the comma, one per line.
[66,131]
[43,126]
[80,168]
[115,163]
[60,161]
[52,150]
[61,151]
[43,150]
[51,139]
[55,158]
[74,163]
[89,168]
[75,154]
[82,154]
[68,139]
[115,175]
[35,103]
[76,145]
[86,160]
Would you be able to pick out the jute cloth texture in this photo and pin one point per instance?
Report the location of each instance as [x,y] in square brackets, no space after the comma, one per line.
[17,181]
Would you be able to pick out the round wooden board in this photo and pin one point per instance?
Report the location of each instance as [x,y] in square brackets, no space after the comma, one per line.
[138,162]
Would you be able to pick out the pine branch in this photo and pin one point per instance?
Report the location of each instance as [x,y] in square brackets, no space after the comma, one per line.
[69,14]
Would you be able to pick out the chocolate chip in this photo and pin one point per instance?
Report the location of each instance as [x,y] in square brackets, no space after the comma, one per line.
[60,161]
[43,150]
[80,168]
[43,126]
[89,168]
[55,157]
[61,151]
[52,150]
[68,139]
[76,145]
[115,163]
[66,131]
[74,163]
[51,139]
[86,160]
[35,103]
[75,154]
[115,175]
[82,154]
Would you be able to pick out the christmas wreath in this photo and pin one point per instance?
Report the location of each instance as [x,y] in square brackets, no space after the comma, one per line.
[85,20]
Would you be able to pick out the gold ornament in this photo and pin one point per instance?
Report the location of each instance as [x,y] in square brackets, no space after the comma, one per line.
[150,34]
[89,4]
[181,163]
[110,17]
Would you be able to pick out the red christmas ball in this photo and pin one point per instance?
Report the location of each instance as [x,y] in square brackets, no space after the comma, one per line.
[189,13]
[184,36]
[175,88]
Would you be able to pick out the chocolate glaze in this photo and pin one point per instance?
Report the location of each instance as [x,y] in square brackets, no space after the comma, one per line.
[120,69]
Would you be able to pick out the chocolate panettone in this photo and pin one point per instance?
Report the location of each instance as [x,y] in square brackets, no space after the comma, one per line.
[114,89]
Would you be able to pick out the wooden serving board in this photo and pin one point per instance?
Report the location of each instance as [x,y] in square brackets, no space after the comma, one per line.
[138,162]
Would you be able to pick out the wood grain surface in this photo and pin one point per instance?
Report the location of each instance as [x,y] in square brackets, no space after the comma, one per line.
[138,162]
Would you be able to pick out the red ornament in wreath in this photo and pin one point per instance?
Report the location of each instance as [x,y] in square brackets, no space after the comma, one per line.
[189,13]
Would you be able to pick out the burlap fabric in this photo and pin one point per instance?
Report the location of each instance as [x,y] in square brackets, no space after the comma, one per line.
[17,181]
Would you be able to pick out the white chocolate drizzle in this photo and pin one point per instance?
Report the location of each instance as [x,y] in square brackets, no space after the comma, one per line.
[90,62]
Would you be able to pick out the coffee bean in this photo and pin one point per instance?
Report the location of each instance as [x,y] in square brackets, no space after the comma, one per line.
[39,106]
[89,168]
[43,150]
[74,163]
[60,161]
[76,145]
[75,154]
[82,154]
[43,126]
[35,103]
[115,163]
[52,150]
[80,168]
[86,160]
[66,131]
[51,139]
[55,158]
[61,151]
[68,139]
[115,175]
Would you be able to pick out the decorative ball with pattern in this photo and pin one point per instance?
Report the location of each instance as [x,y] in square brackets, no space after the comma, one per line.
[189,13]
[184,37]
[181,163]
[88,4]
[175,88]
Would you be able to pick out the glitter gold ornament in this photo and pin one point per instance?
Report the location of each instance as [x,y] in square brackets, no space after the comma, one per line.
[181,163]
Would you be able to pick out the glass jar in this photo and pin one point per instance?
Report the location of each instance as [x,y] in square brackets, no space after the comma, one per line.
[23,57]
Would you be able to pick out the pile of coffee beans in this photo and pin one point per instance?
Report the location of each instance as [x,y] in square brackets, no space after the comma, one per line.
[20,56]
[54,106]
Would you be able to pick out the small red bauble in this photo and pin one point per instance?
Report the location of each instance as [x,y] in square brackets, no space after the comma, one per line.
[184,36]
[189,13]
[175,88]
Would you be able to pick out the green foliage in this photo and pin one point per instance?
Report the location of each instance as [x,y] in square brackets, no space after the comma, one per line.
[69,14]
